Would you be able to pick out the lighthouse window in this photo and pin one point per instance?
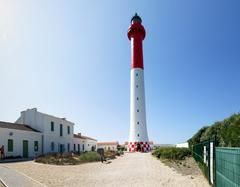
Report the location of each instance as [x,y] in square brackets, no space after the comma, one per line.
[138,135]
[137,86]
[137,110]
[136,74]
[137,98]
[138,122]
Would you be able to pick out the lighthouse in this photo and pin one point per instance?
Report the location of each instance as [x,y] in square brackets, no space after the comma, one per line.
[138,136]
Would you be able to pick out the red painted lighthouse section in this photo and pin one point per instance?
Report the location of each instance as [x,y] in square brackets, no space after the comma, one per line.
[136,33]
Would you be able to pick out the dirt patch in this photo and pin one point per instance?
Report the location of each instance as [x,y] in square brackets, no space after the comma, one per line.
[184,167]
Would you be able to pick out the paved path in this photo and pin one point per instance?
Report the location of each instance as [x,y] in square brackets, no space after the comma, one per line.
[132,169]
[12,178]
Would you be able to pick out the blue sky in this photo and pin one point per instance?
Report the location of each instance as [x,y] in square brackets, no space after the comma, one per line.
[72,59]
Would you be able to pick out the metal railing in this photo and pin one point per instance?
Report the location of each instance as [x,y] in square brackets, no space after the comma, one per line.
[227,166]
[220,165]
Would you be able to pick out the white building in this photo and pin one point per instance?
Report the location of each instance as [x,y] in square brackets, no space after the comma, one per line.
[84,143]
[20,140]
[48,133]
[182,145]
[108,145]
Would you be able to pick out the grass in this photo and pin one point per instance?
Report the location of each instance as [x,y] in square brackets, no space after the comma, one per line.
[178,158]
[68,159]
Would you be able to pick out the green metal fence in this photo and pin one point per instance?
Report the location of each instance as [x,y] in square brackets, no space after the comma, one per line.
[227,167]
[198,155]
[220,165]
[204,154]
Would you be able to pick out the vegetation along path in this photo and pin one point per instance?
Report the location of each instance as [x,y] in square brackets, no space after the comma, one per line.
[131,169]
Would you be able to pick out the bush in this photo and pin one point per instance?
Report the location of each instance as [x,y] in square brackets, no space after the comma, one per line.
[68,159]
[120,152]
[110,154]
[172,153]
[90,157]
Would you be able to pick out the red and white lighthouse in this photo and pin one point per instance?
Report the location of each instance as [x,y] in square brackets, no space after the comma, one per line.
[138,136]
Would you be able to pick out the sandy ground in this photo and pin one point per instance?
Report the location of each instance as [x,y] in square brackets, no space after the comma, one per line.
[132,169]
[1,185]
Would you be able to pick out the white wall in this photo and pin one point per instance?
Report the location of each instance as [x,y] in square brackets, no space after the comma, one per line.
[77,141]
[108,147]
[18,136]
[88,144]
[137,91]
[42,122]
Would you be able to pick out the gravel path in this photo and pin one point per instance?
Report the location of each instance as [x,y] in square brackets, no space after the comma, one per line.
[132,169]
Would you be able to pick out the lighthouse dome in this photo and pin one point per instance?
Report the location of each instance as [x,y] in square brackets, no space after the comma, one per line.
[136,19]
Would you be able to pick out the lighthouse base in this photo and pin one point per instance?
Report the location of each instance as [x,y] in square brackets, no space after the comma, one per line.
[139,147]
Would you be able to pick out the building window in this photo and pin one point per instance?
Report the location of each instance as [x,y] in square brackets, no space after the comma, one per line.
[68,147]
[82,147]
[52,126]
[78,147]
[61,130]
[137,98]
[74,147]
[137,110]
[68,129]
[10,145]
[35,146]
[138,122]
[52,146]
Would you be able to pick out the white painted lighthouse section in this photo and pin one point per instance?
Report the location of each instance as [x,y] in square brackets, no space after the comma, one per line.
[138,129]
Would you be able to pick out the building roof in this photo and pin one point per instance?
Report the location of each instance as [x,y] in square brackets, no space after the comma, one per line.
[83,137]
[86,137]
[107,143]
[16,126]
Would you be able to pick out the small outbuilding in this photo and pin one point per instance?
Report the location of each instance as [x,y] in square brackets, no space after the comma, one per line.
[19,140]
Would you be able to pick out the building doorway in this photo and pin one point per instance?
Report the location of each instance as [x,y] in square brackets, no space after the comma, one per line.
[138,147]
[25,148]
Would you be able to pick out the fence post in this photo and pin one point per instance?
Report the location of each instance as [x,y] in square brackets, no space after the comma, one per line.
[211,162]
[208,164]
[214,161]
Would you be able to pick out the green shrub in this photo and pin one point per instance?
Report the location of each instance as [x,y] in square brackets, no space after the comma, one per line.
[68,158]
[172,153]
[90,157]
[110,154]
[226,132]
